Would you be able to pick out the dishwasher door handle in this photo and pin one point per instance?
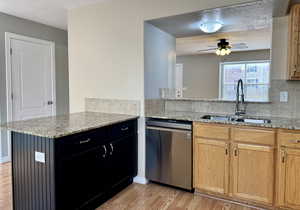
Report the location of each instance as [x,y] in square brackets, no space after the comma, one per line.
[168,129]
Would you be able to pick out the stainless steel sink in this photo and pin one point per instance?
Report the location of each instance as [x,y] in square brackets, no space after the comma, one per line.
[253,120]
[218,118]
[235,118]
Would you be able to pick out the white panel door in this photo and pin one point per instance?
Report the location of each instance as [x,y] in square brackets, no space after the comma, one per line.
[32,82]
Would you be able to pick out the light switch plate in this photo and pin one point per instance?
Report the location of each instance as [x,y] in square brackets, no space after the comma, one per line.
[39,157]
[284,96]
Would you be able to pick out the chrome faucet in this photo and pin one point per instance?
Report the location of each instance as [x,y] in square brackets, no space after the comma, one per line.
[240,106]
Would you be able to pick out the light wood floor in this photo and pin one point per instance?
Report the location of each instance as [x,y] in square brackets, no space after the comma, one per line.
[135,197]
[156,197]
[5,186]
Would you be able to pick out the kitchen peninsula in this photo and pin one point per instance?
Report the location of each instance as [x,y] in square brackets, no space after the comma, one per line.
[74,161]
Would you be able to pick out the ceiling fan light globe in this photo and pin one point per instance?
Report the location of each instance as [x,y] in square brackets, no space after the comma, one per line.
[223,52]
[218,52]
[210,27]
[228,51]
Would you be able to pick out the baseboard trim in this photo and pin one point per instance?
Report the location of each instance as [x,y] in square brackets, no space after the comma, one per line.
[140,180]
[4,159]
[231,201]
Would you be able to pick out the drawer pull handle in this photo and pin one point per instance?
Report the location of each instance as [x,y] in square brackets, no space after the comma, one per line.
[105,151]
[112,149]
[85,141]
[295,141]
[124,129]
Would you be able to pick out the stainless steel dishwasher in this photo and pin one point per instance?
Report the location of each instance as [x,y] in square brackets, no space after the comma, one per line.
[169,152]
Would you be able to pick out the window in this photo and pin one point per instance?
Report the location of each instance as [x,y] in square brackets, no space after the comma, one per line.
[255,75]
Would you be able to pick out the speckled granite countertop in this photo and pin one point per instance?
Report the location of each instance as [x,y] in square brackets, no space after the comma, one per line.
[212,100]
[276,122]
[64,125]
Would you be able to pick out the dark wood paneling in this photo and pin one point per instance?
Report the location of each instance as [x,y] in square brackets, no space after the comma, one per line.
[33,182]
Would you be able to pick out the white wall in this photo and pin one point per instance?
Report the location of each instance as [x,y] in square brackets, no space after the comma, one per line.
[160,59]
[201,72]
[106,45]
[200,75]
[106,49]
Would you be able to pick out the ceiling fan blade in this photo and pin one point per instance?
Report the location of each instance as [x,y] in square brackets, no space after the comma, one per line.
[239,46]
[208,49]
[235,46]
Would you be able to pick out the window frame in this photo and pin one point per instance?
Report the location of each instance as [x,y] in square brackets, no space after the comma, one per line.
[221,75]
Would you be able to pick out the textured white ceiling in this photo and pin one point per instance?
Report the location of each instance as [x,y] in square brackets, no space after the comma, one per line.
[243,17]
[49,12]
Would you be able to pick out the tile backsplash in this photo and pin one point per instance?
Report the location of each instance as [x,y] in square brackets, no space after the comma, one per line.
[130,107]
[154,106]
[275,108]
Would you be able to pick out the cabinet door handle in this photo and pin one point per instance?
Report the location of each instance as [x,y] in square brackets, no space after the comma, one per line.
[297,141]
[235,151]
[124,129]
[105,151]
[226,149]
[85,141]
[283,156]
[112,149]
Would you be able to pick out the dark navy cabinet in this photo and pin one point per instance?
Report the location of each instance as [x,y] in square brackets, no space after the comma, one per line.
[80,171]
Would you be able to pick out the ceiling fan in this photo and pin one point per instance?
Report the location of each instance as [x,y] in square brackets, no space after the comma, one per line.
[234,46]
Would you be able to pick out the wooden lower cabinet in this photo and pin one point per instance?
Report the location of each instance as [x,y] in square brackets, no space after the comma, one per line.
[289,178]
[253,173]
[212,164]
[237,168]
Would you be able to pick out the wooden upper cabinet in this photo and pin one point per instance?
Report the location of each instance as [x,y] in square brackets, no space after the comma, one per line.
[211,163]
[294,43]
[253,172]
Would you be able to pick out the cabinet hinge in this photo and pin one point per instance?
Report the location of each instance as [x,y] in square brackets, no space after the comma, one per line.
[12,96]
[10,51]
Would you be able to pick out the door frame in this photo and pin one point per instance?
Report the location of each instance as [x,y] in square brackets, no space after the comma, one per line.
[8,37]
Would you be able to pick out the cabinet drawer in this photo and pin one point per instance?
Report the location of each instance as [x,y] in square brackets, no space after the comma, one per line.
[289,139]
[122,129]
[82,142]
[211,131]
[255,136]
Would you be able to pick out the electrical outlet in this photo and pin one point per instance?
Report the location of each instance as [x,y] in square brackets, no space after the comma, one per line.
[40,157]
[284,96]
